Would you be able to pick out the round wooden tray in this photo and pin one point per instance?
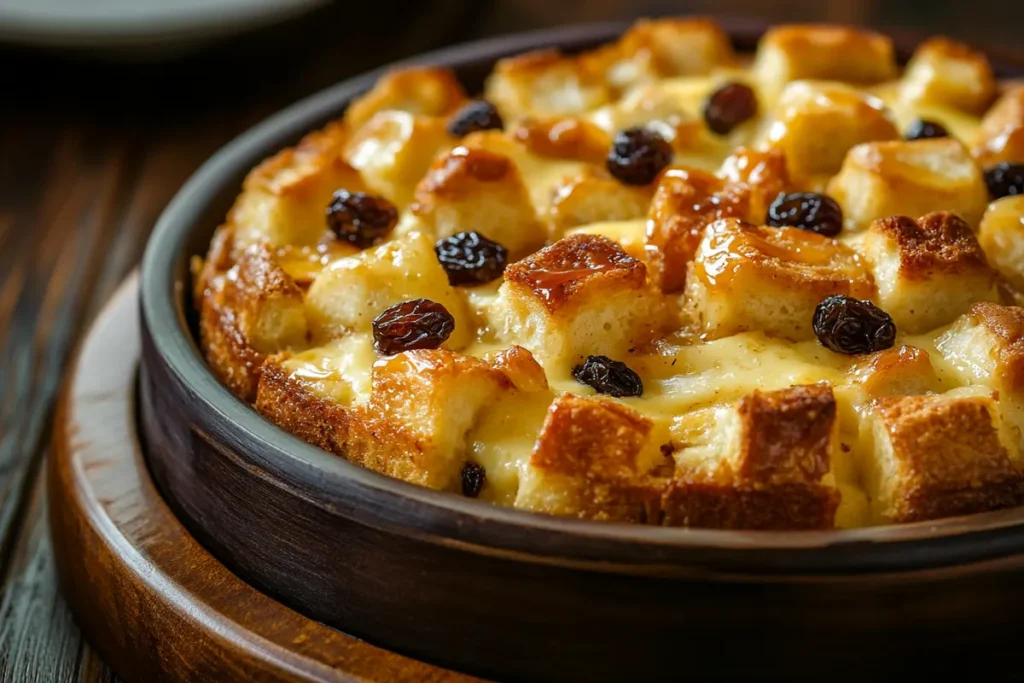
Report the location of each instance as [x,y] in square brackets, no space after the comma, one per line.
[153,601]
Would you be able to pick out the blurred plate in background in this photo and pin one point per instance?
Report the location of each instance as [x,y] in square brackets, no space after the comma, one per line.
[145,26]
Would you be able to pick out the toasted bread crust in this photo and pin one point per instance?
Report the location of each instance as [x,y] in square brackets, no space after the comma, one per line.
[939,241]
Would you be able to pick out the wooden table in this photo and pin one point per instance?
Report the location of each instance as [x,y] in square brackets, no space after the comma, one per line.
[90,152]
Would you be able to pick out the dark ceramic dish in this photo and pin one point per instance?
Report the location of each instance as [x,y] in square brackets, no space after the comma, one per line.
[513,595]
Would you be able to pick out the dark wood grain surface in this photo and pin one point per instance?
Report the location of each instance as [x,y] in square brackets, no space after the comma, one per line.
[91,150]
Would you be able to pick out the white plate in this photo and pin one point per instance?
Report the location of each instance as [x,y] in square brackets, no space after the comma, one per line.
[147,25]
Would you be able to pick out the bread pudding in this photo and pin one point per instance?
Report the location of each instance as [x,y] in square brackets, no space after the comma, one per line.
[658,282]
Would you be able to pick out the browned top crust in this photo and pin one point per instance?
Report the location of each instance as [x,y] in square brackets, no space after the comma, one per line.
[786,434]
[1007,324]
[557,273]
[939,241]
[563,138]
[949,458]
[424,90]
[450,175]
[592,438]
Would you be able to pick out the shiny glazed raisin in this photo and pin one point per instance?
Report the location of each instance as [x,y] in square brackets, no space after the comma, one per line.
[473,478]
[808,211]
[414,324]
[1005,179]
[729,106]
[359,218]
[922,129]
[474,116]
[607,376]
[847,325]
[469,258]
[638,155]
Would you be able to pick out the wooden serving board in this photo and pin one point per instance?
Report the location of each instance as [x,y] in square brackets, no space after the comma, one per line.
[150,599]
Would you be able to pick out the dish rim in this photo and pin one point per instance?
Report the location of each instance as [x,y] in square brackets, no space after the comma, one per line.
[333,483]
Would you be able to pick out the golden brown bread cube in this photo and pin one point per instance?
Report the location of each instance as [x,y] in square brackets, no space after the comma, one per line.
[593,196]
[544,83]
[563,137]
[746,277]
[821,52]
[765,465]
[352,291]
[285,198]
[591,460]
[253,311]
[1001,134]
[898,371]
[815,123]
[421,90]
[940,455]
[927,271]
[986,347]
[394,149]
[474,189]
[423,404]
[945,72]
[583,295]
[1001,235]
[881,179]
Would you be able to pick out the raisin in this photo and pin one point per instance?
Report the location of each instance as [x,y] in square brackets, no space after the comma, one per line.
[1005,179]
[638,155]
[607,376]
[360,218]
[729,106]
[922,129]
[847,325]
[414,324]
[808,211]
[469,258]
[473,478]
[474,116]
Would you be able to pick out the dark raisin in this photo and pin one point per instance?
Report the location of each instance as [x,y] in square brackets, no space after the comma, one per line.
[922,129]
[360,218]
[414,324]
[847,325]
[1005,179]
[808,211]
[729,106]
[474,116]
[473,478]
[469,258]
[638,155]
[607,376]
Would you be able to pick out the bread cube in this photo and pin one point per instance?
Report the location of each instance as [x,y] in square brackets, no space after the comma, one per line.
[520,367]
[394,149]
[1001,235]
[347,295]
[284,199]
[927,271]
[627,234]
[882,179]
[765,465]
[948,73]
[684,203]
[591,460]
[899,371]
[255,310]
[544,83]
[986,346]
[581,296]
[562,137]
[940,455]
[423,404]
[820,52]
[1001,134]
[815,123]
[420,90]
[473,189]
[594,196]
[746,277]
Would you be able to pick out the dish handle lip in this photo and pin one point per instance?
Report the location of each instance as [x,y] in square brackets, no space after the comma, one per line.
[376,500]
